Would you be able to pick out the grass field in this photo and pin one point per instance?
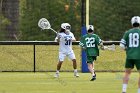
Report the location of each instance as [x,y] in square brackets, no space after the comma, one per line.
[67,83]
[20,58]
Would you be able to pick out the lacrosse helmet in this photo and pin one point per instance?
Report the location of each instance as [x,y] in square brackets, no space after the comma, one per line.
[66,27]
[90,28]
[135,21]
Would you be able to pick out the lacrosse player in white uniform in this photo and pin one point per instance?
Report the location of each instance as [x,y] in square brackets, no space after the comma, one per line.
[65,38]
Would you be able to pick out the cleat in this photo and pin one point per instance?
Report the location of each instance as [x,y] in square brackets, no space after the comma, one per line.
[56,75]
[123,92]
[76,74]
[93,78]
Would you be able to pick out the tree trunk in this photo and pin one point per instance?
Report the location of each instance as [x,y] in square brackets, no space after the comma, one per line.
[10,10]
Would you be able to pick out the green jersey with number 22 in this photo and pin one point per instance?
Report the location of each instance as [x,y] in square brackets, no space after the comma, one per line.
[131,40]
[91,42]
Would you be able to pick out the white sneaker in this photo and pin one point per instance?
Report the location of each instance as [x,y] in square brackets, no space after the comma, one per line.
[56,75]
[76,74]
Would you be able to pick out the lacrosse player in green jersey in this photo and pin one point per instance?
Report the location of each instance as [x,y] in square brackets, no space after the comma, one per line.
[89,43]
[131,44]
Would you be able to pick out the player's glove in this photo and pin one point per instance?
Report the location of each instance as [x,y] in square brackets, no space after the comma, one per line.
[58,35]
[102,47]
[84,48]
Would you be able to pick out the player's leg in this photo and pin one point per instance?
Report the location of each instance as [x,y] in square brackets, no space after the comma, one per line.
[59,64]
[72,57]
[129,65]
[137,63]
[75,68]
[139,82]
[93,59]
[126,79]
[58,68]
[90,68]
[90,64]
[74,63]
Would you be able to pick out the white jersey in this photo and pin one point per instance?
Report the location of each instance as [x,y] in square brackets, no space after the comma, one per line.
[65,44]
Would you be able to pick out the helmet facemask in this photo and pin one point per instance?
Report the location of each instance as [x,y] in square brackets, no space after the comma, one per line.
[68,28]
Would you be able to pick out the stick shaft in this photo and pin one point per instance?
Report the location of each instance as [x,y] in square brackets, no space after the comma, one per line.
[53,30]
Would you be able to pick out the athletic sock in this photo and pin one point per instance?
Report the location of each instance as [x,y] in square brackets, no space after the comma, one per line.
[93,74]
[124,87]
[57,71]
[138,90]
[75,70]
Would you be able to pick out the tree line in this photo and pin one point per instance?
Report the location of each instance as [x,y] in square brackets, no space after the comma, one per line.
[111,18]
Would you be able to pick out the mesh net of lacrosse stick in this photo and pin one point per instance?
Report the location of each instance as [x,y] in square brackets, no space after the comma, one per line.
[43,23]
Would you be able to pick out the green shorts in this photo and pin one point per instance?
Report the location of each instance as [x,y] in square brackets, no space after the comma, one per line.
[130,63]
[90,59]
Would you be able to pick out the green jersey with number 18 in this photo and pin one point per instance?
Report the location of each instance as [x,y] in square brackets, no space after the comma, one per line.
[131,40]
[90,42]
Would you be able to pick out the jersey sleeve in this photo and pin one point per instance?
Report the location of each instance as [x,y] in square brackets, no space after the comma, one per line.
[59,36]
[123,40]
[81,43]
[99,41]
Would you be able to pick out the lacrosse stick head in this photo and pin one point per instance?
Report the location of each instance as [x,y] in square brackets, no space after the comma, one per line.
[111,47]
[43,23]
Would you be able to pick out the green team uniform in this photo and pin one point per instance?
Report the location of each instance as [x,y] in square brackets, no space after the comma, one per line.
[131,40]
[90,42]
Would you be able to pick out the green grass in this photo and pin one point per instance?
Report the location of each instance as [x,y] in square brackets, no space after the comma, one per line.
[67,83]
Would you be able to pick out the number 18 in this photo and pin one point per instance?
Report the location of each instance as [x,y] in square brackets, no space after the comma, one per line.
[133,40]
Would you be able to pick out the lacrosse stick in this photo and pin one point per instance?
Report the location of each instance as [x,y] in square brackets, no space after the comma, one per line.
[43,23]
[111,47]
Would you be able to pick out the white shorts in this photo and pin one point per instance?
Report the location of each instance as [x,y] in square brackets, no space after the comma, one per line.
[70,55]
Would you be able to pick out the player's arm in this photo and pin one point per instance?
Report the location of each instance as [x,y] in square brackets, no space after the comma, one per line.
[73,38]
[81,43]
[123,42]
[57,39]
[102,47]
[100,43]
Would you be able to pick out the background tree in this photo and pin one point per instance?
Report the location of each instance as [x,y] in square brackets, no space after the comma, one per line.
[112,17]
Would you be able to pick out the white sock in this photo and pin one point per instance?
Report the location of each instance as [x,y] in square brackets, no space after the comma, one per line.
[57,71]
[93,74]
[124,87]
[138,90]
[75,70]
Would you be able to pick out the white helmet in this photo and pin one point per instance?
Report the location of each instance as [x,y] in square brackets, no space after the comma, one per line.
[135,19]
[90,27]
[66,26]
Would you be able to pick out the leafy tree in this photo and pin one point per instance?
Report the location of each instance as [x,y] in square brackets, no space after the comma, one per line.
[3,23]
[112,17]
[56,12]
